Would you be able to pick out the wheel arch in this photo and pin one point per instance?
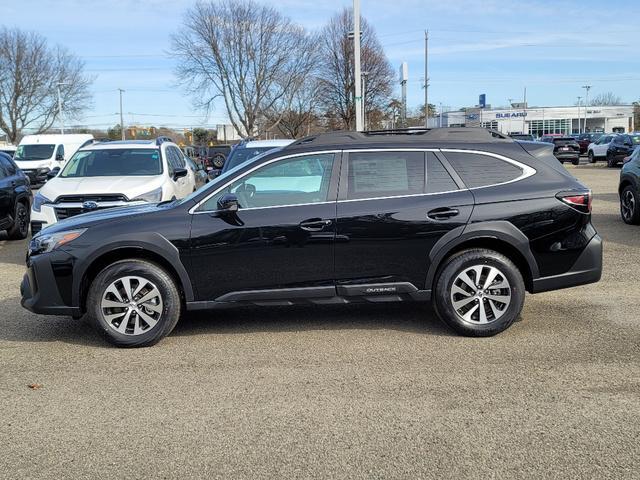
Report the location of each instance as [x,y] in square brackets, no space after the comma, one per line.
[106,256]
[501,236]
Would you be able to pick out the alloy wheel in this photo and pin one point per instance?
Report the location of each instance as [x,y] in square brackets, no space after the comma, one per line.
[132,305]
[23,221]
[480,294]
[628,205]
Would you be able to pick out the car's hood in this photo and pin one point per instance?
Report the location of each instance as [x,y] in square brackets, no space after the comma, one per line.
[131,187]
[86,220]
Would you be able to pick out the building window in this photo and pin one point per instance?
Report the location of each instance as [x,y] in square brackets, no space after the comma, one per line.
[543,127]
[492,124]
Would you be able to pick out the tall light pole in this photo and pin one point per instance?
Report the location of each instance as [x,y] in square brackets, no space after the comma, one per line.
[440,114]
[426,78]
[586,104]
[121,117]
[60,108]
[579,117]
[356,72]
[510,100]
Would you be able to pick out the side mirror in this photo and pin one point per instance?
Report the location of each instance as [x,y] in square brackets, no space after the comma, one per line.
[228,203]
[53,173]
[179,173]
[60,158]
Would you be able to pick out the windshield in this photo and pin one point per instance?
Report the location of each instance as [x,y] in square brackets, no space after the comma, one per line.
[635,139]
[241,155]
[34,152]
[114,162]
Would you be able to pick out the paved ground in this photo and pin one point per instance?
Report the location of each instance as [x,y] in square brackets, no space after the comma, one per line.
[336,392]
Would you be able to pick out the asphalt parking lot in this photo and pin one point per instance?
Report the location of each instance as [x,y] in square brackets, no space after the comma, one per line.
[358,392]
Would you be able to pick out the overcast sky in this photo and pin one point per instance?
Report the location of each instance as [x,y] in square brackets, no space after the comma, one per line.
[497,47]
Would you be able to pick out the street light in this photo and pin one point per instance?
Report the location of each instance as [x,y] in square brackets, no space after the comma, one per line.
[364,101]
[60,107]
[510,109]
[579,119]
[586,105]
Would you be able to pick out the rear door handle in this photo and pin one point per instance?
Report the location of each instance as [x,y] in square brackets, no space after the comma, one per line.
[314,224]
[442,213]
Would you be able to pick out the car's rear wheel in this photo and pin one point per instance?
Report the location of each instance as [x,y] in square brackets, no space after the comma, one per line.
[611,160]
[479,293]
[592,158]
[20,227]
[134,303]
[630,206]
[576,161]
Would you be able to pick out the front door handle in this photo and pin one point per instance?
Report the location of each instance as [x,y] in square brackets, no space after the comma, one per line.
[442,213]
[314,224]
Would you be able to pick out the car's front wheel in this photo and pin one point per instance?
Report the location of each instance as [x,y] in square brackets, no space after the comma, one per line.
[630,206]
[479,292]
[592,157]
[134,303]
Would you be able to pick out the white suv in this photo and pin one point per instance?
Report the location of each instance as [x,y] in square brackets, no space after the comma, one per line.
[111,174]
[599,148]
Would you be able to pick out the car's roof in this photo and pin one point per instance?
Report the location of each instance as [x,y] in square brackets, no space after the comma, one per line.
[267,143]
[122,144]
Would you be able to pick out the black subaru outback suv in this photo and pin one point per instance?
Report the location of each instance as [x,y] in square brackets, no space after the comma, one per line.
[466,218]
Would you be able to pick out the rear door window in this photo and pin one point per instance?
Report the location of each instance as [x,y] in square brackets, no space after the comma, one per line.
[479,170]
[385,174]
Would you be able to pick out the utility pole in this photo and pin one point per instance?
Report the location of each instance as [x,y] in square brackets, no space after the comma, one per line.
[364,100]
[510,100]
[60,108]
[404,77]
[440,114]
[579,117]
[586,105]
[356,72]
[426,78]
[121,117]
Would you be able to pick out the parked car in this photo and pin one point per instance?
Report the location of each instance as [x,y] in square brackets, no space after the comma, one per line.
[200,177]
[15,199]
[113,174]
[565,149]
[457,216]
[629,189]
[8,149]
[598,149]
[247,150]
[523,136]
[584,139]
[622,146]
[37,155]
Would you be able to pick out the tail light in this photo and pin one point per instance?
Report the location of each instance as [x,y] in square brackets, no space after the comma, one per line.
[581,201]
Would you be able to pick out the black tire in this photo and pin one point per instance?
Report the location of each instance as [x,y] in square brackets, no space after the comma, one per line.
[575,161]
[591,156]
[484,259]
[20,228]
[218,161]
[611,160]
[630,205]
[166,319]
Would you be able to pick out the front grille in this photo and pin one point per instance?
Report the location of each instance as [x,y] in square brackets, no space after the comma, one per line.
[66,212]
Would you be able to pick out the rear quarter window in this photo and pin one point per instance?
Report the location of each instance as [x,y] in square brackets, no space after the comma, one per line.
[479,170]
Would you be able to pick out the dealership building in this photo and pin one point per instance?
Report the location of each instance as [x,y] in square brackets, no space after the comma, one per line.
[542,120]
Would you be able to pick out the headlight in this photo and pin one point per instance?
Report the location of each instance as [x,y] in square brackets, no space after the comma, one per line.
[44,242]
[154,196]
[38,201]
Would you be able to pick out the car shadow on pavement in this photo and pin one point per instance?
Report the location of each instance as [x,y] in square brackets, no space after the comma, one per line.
[20,325]
[408,317]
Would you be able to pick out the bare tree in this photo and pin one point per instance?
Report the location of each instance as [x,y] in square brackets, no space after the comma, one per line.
[336,71]
[246,53]
[30,74]
[607,98]
[298,118]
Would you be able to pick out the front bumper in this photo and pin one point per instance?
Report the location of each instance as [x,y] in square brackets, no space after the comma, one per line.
[586,269]
[46,286]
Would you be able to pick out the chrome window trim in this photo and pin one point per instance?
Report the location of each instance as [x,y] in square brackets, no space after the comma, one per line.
[527,172]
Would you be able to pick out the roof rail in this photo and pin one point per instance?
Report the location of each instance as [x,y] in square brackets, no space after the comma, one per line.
[160,140]
[399,131]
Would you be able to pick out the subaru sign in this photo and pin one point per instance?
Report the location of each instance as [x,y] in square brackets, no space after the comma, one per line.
[511,115]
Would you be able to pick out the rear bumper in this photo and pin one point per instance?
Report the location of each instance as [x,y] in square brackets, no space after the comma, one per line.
[587,269]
